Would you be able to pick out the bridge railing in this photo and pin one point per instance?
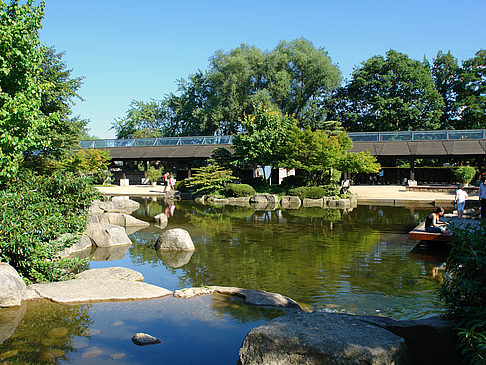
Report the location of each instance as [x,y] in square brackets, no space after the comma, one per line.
[442,135]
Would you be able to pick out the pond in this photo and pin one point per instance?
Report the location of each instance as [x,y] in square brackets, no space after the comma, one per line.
[357,260]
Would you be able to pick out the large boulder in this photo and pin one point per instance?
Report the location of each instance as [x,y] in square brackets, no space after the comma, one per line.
[239,201]
[117,273]
[322,338]
[429,340]
[82,244]
[339,203]
[175,239]
[96,290]
[264,199]
[290,202]
[309,203]
[12,287]
[106,235]
[122,219]
[119,204]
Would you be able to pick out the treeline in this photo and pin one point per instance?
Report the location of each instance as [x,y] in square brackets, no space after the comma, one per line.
[391,92]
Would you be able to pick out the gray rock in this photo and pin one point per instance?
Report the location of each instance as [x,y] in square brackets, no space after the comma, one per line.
[105,235]
[89,290]
[122,219]
[175,259]
[307,203]
[119,204]
[429,340]
[339,203]
[321,338]
[110,273]
[264,199]
[173,195]
[290,202]
[12,287]
[83,244]
[252,297]
[161,220]
[142,339]
[175,239]
[9,320]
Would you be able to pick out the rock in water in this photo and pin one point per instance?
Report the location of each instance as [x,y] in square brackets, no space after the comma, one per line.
[12,287]
[142,339]
[321,338]
[175,239]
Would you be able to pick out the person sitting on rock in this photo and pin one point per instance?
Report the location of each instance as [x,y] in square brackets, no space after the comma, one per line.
[433,223]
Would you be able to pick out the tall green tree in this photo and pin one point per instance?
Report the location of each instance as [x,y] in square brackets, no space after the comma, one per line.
[446,74]
[65,131]
[392,93]
[265,135]
[316,153]
[21,87]
[295,78]
[471,92]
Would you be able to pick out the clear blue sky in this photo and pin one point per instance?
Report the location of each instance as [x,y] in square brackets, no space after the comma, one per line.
[136,50]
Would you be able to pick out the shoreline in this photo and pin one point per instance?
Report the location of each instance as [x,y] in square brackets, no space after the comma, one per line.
[388,195]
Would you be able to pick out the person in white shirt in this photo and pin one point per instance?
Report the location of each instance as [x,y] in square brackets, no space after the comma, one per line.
[460,201]
[482,198]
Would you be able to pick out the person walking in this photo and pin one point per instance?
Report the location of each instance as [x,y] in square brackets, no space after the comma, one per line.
[460,200]
[482,197]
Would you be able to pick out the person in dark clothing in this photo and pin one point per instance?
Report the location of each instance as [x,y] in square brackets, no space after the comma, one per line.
[433,223]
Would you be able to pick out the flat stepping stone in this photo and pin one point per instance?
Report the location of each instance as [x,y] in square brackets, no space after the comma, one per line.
[112,273]
[89,290]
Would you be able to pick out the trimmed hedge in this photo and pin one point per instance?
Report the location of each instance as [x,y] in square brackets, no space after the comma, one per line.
[309,192]
[238,190]
[293,181]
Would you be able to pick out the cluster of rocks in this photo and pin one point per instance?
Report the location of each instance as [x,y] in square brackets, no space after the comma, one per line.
[294,338]
[107,227]
[272,202]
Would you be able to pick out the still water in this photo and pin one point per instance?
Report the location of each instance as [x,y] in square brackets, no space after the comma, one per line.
[357,261]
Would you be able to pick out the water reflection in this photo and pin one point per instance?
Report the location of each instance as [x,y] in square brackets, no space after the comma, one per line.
[203,330]
[354,260]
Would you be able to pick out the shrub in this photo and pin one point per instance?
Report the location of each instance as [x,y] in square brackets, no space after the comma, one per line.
[293,181]
[183,186]
[35,211]
[253,181]
[309,192]
[210,179]
[153,174]
[239,190]
[464,174]
[464,292]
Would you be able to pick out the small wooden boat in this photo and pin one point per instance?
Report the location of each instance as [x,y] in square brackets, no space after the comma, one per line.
[419,234]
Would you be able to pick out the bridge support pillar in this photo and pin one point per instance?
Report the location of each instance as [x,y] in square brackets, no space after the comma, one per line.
[412,169]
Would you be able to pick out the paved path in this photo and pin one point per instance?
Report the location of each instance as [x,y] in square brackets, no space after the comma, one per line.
[398,195]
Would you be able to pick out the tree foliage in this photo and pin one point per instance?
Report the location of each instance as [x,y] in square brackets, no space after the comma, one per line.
[210,179]
[471,92]
[266,133]
[294,78]
[392,93]
[20,85]
[316,153]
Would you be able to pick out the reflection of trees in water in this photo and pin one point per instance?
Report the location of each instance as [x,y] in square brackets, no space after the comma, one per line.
[47,331]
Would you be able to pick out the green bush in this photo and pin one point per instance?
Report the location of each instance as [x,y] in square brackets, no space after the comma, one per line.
[464,174]
[309,192]
[253,181]
[239,190]
[183,186]
[153,174]
[292,181]
[35,211]
[464,292]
